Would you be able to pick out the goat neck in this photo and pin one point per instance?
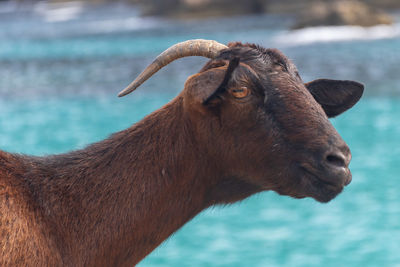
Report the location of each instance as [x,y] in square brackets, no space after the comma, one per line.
[110,203]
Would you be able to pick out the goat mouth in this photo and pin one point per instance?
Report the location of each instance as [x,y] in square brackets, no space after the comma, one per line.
[326,182]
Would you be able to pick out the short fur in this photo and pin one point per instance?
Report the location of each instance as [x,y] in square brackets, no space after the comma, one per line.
[113,202]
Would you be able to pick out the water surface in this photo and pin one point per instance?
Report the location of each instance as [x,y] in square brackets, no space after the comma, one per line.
[58,84]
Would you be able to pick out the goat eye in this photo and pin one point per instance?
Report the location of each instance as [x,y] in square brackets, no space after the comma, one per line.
[240,92]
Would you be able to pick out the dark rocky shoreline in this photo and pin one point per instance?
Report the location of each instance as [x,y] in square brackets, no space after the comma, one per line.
[309,12]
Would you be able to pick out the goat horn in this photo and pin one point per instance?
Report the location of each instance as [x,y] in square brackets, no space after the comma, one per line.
[199,47]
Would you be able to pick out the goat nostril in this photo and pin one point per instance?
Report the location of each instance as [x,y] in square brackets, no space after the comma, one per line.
[337,160]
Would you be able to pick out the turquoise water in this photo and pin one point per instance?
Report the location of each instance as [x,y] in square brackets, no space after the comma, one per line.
[58,86]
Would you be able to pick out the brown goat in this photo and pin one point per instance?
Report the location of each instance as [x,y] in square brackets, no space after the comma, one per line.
[245,123]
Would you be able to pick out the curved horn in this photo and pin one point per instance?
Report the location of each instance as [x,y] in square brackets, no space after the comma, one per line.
[199,47]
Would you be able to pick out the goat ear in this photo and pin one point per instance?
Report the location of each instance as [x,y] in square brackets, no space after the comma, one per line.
[203,85]
[335,96]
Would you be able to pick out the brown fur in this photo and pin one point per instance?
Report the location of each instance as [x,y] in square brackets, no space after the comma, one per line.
[113,202]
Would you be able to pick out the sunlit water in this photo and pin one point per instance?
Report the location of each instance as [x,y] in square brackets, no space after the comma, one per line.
[59,76]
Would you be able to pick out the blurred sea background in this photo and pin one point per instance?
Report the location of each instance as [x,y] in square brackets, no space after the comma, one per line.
[61,67]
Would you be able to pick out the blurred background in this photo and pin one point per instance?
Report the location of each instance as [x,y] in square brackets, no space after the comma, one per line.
[63,63]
